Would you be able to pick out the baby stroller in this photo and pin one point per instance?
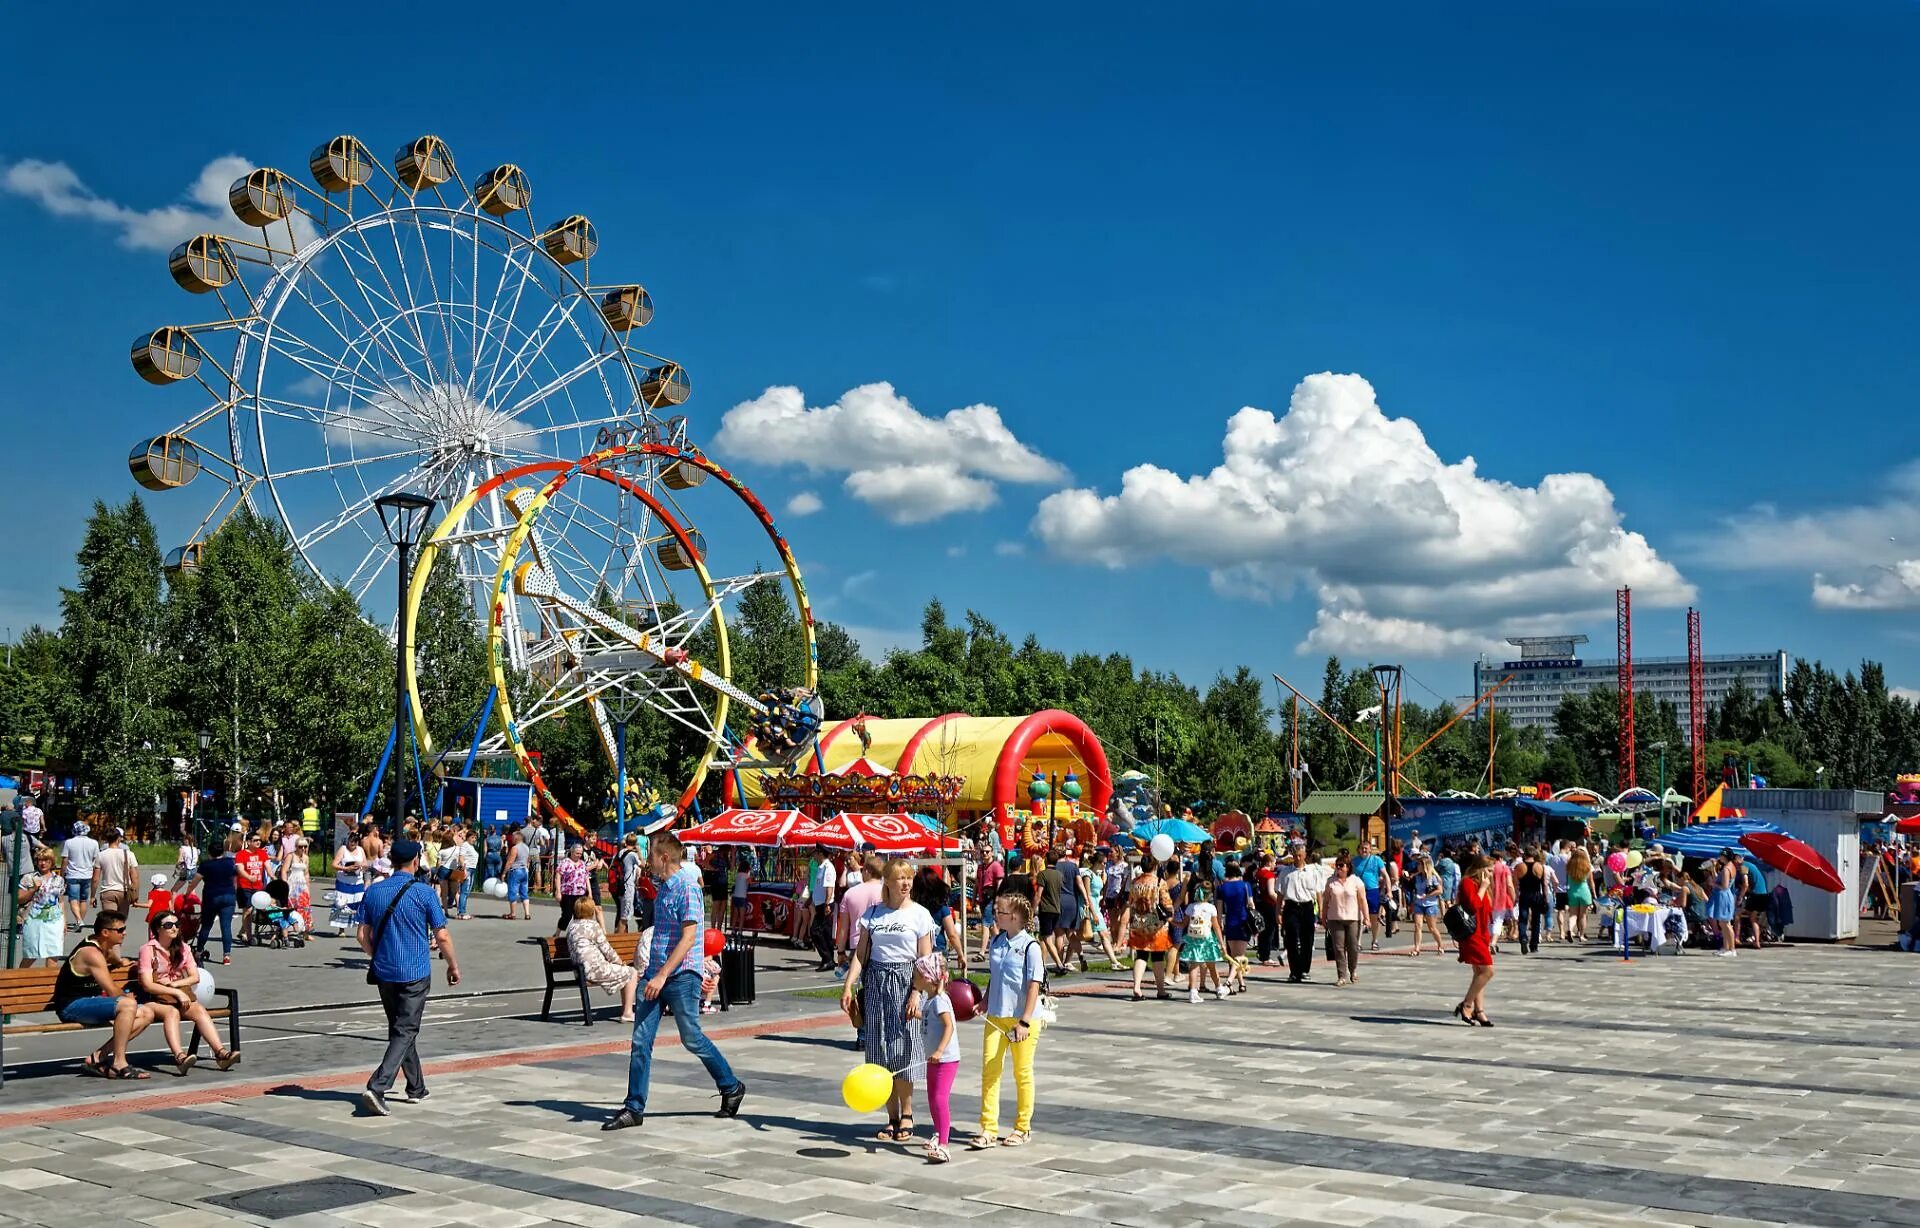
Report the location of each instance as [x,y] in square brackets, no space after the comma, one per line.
[278,926]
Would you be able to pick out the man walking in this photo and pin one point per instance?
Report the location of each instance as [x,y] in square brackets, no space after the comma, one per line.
[1371,869]
[674,962]
[116,875]
[820,896]
[79,853]
[1301,882]
[402,921]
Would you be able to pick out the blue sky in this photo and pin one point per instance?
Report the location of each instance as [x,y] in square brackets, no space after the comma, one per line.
[1667,247]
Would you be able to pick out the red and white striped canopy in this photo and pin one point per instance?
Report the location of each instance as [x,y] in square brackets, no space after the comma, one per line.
[759,828]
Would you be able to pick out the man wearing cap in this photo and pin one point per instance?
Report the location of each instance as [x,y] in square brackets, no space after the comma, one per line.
[401,922]
[79,854]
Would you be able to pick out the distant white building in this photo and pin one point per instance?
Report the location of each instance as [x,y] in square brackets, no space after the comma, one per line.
[1547,671]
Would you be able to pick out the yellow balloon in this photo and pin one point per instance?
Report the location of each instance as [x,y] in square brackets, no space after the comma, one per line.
[1634,859]
[866,1087]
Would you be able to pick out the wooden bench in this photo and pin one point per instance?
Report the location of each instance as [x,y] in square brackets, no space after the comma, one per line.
[561,971]
[29,991]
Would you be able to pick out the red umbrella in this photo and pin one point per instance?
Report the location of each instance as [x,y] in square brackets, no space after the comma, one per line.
[1908,827]
[1794,858]
[760,828]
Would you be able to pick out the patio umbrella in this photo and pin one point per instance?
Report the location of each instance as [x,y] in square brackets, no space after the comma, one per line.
[1905,827]
[1707,840]
[1795,858]
[758,828]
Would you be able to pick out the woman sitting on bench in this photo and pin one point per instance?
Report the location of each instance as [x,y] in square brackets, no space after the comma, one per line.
[166,977]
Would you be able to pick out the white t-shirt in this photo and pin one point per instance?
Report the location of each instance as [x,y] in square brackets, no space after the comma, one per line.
[1200,919]
[895,933]
[822,882]
[81,852]
[931,1025]
[119,869]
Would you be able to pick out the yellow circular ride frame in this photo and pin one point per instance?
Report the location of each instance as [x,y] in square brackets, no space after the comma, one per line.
[565,472]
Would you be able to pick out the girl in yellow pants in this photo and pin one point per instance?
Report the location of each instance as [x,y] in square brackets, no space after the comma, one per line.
[1015,970]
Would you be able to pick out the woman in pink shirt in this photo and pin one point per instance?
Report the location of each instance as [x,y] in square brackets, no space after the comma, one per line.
[1342,907]
[1506,904]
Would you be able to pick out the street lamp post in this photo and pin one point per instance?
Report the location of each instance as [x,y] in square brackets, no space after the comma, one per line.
[404,516]
[200,782]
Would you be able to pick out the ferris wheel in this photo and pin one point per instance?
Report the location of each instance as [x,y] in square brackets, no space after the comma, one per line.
[393,328]
[400,329]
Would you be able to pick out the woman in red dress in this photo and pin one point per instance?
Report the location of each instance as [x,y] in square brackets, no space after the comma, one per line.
[1476,949]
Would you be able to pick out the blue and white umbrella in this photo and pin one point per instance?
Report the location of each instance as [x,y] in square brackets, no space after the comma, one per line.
[1708,840]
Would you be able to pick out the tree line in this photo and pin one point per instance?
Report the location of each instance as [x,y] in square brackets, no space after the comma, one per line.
[293,688]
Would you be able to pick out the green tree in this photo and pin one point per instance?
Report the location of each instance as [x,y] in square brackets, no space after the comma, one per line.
[112,711]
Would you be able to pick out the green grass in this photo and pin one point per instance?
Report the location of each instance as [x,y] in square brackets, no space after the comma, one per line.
[161,858]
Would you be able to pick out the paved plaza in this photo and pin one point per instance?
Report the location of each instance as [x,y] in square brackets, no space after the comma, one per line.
[1772,1088]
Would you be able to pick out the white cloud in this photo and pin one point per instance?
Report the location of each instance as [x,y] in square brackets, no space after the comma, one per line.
[878,642]
[1009,550]
[1879,588]
[910,466]
[1404,552]
[58,189]
[914,494]
[806,503]
[1854,551]
[1907,693]
[956,552]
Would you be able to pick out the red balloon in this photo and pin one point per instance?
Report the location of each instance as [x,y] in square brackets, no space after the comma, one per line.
[716,942]
[966,1003]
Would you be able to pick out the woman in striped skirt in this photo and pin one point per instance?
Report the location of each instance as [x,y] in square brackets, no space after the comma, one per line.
[892,934]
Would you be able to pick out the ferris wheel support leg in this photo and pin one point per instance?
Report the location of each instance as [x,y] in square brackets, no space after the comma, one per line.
[380,771]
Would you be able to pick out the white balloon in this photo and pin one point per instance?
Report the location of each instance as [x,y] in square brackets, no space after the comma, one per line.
[262,900]
[203,992]
[497,889]
[1161,846]
[487,887]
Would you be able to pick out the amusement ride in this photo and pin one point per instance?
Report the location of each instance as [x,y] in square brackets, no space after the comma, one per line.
[400,327]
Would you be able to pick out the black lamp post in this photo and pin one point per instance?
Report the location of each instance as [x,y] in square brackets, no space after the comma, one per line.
[404,516]
[200,784]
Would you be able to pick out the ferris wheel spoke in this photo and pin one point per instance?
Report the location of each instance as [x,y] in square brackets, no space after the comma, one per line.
[438,302]
[505,322]
[336,466]
[537,339]
[315,360]
[349,345]
[374,558]
[393,295]
[347,516]
[379,334]
[559,382]
[511,259]
[412,312]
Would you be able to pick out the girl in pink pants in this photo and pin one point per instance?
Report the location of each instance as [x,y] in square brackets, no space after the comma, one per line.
[942,1046]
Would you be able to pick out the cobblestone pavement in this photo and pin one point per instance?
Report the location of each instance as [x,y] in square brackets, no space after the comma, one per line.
[1772,1088]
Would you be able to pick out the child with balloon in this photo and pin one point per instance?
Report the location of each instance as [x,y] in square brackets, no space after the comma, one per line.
[939,1021]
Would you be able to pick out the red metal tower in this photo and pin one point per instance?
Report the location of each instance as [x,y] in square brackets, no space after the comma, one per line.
[1623,628]
[1697,706]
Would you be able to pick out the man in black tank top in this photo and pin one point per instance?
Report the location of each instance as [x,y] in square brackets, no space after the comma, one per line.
[83,992]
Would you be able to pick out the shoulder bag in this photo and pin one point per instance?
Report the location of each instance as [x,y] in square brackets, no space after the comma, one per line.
[380,931]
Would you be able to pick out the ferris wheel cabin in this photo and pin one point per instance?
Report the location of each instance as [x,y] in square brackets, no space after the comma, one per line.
[503,190]
[165,355]
[341,164]
[261,198]
[673,558]
[681,474]
[666,384]
[570,240]
[201,264]
[423,164]
[164,462]
[626,307]
[183,559]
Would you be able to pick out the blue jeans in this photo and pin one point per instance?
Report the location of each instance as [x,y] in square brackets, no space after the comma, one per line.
[517,885]
[466,885]
[682,993]
[98,1009]
[220,906]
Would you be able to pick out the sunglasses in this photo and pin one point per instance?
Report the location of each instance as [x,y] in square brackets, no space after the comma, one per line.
[117,930]
[169,925]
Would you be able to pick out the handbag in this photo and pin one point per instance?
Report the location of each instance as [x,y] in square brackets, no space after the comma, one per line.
[380,931]
[1460,923]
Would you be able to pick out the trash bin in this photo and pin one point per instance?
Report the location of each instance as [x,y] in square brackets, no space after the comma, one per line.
[736,972]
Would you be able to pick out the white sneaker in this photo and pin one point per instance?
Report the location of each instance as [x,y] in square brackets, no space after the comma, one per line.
[1726,954]
[1220,995]
[1193,996]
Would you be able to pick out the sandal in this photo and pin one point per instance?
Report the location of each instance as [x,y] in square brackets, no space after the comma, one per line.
[936,1154]
[227,1060]
[889,1133]
[903,1132]
[981,1142]
[96,1066]
[1019,1138]
[126,1072]
[183,1062]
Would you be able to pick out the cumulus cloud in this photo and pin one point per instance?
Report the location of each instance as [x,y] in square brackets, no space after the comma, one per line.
[806,503]
[1854,551]
[58,189]
[909,466]
[1879,588]
[1404,552]
[1009,549]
